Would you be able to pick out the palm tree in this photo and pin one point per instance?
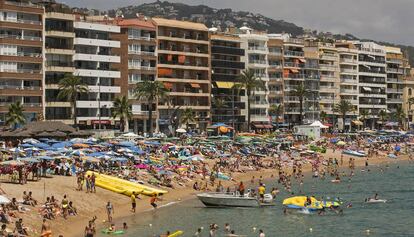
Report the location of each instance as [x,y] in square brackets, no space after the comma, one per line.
[383,116]
[364,115]
[276,110]
[187,117]
[300,91]
[399,115]
[122,110]
[250,82]
[150,91]
[70,87]
[343,107]
[323,115]
[219,103]
[15,116]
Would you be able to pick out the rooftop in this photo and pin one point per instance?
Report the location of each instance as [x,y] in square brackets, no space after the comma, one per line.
[180,24]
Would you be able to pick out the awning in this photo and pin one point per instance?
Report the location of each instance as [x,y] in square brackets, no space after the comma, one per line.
[168,85]
[224,84]
[357,122]
[195,85]
[268,126]
[302,60]
[258,125]
[367,88]
[294,70]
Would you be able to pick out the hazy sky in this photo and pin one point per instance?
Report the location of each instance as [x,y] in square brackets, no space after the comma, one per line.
[385,20]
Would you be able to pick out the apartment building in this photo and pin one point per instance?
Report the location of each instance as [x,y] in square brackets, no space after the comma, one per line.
[138,54]
[275,73]
[408,93]
[256,59]
[371,79]
[293,76]
[59,52]
[311,78]
[21,58]
[396,72]
[228,104]
[95,63]
[348,75]
[184,68]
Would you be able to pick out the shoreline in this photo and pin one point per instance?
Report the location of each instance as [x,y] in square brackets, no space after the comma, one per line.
[179,195]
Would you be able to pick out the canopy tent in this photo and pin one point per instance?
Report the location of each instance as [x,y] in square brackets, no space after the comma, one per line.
[318,124]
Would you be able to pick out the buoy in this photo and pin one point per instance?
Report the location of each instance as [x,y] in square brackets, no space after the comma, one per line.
[310,229]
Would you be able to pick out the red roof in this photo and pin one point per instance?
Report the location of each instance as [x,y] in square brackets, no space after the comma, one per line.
[148,24]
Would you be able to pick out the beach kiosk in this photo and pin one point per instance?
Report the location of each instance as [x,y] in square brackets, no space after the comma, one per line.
[312,131]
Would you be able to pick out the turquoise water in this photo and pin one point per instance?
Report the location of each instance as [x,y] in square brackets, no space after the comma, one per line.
[394,218]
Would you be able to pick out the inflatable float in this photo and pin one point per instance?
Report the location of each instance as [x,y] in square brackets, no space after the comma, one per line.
[122,186]
[110,232]
[299,202]
[177,233]
[372,200]
[354,153]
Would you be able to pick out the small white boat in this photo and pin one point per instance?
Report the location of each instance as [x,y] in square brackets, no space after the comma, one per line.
[232,200]
[372,200]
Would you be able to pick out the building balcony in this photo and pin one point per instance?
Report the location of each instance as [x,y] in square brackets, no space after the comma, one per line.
[58,104]
[394,100]
[23,57]
[227,64]
[293,65]
[395,80]
[392,90]
[184,67]
[20,91]
[60,34]
[328,67]
[60,51]
[328,57]
[143,38]
[349,81]
[28,25]
[141,68]
[104,89]
[20,37]
[96,58]
[143,53]
[93,104]
[97,73]
[349,91]
[97,42]
[186,39]
[348,61]
[290,53]
[218,49]
[349,71]
[395,70]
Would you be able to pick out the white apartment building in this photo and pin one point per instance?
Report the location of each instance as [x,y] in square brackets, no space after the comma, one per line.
[93,60]
[256,59]
[372,79]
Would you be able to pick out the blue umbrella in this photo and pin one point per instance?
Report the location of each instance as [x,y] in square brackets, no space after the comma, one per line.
[26,145]
[44,157]
[62,144]
[41,145]
[96,154]
[153,143]
[126,144]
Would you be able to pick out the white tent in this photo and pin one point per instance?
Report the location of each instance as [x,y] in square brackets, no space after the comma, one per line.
[130,135]
[318,124]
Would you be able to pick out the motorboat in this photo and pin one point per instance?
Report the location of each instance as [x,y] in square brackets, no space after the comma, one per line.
[233,200]
[373,200]
[354,153]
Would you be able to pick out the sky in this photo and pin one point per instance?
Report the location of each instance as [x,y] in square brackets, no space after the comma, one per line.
[381,20]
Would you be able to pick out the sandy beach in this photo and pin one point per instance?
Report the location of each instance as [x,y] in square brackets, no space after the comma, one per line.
[93,204]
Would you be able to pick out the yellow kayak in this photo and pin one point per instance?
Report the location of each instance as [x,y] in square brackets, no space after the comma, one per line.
[123,186]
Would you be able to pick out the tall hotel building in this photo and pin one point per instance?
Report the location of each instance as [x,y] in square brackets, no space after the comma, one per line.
[293,75]
[59,51]
[138,53]
[256,59]
[396,72]
[21,58]
[96,65]
[228,105]
[275,73]
[372,79]
[184,68]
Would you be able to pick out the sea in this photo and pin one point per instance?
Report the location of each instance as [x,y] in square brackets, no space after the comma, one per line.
[395,218]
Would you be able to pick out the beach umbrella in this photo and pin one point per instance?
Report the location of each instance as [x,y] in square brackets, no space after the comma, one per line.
[41,145]
[130,135]
[15,149]
[61,144]
[80,145]
[29,160]
[12,163]
[152,143]
[30,140]
[96,154]
[4,200]
[112,153]
[32,149]
[341,143]
[90,159]
[45,157]
[26,145]
[181,130]
[78,153]
[121,159]
[126,144]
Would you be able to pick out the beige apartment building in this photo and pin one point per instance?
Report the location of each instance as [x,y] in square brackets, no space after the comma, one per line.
[184,68]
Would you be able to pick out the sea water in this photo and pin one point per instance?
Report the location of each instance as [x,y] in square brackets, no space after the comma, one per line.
[392,219]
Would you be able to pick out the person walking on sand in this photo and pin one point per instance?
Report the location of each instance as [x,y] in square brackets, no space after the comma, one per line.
[46,231]
[153,201]
[109,211]
[133,202]
[65,205]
